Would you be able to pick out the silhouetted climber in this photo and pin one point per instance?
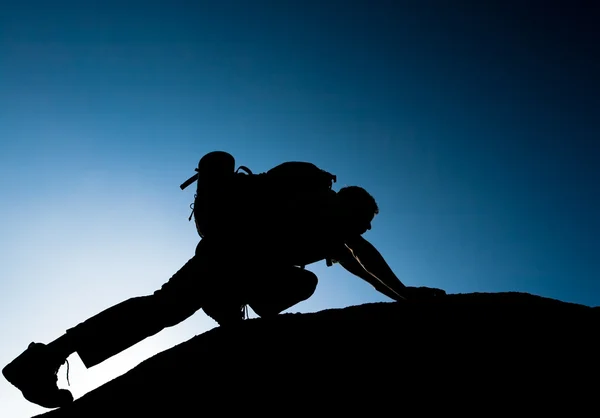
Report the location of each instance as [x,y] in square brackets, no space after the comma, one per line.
[257,234]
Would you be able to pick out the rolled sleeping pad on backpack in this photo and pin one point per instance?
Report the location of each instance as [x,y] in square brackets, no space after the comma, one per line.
[216,163]
[215,171]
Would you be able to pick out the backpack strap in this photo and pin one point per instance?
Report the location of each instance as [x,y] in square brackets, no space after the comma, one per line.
[245,169]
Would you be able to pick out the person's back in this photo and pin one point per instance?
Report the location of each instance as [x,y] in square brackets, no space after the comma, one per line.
[280,214]
[293,224]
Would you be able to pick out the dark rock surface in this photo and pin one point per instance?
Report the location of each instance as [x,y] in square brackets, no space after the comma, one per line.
[478,353]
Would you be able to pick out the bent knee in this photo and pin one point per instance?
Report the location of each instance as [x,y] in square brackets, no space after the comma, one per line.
[309,284]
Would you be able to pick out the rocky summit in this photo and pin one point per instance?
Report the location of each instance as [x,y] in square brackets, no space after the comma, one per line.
[476,354]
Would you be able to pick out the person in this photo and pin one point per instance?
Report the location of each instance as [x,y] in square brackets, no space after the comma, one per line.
[250,256]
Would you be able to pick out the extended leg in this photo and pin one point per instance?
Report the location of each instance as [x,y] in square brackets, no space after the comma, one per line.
[127,323]
[106,334]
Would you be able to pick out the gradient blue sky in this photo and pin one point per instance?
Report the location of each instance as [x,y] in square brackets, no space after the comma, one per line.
[475,127]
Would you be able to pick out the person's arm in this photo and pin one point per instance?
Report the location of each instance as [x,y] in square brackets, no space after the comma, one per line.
[363,260]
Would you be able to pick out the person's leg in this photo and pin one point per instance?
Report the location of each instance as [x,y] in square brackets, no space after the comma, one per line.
[127,323]
[108,333]
[276,290]
[227,293]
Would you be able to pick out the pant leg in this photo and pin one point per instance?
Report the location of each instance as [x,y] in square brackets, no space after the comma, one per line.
[278,289]
[127,323]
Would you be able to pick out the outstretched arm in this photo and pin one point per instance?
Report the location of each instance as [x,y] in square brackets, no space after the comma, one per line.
[363,260]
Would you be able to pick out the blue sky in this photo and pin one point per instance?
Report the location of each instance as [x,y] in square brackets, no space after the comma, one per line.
[475,128]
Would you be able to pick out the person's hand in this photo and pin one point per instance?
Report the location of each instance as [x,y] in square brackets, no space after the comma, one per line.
[422,292]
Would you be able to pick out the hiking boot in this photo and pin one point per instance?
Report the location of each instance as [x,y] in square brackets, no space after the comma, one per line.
[34,374]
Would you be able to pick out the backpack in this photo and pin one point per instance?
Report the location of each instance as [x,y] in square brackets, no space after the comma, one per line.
[220,187]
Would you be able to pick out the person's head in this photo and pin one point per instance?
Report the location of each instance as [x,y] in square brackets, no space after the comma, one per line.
[360,207]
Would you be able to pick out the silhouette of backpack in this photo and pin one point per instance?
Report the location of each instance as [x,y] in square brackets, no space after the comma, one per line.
[221,187]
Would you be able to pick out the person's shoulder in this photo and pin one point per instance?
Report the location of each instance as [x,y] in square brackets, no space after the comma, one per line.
[333,195]
[333,203]
[354,240]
